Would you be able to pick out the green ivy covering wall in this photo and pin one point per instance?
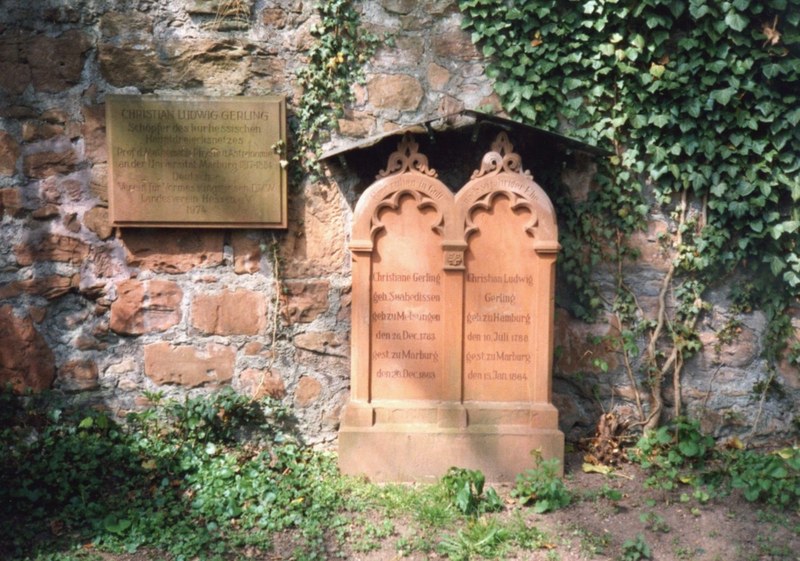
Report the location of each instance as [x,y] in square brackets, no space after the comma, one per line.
[700,101]
[336,60]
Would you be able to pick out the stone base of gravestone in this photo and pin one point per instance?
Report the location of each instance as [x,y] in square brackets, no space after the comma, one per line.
[416,448]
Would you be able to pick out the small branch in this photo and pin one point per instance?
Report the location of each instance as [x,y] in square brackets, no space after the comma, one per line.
[761,402]
[676,383]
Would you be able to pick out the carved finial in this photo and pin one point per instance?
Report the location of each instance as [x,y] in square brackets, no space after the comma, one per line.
[407,159]
[501,159]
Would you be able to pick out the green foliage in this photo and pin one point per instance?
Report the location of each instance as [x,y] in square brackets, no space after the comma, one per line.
[184,478]
[680,454]
[541,486]
[335,63]
[696,98]
[485,538]
[672,452]
[465,487]
[635,550]
[771,478]
[654,522]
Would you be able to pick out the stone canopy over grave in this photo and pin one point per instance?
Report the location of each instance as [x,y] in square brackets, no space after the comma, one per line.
[452,322]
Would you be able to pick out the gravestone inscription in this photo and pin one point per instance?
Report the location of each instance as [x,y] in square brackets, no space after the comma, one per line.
[452,322]
[196,161]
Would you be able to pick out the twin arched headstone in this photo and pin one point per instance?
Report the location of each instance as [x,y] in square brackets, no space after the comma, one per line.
[452,322]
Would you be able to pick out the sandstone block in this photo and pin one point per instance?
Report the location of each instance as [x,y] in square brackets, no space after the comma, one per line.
[405,53]
[10,202]
[345,304]
[173,251]
[15,72]
[87,342]
[274,17]
[238,312]
[438,76]
[126,51]
[51,64]
[146,307]
[78,375]
[189,366]
[38,130]
[71,188]
[72,223]
[45,212]
[9,153]
[246,253]
[395,91]
[436,7]
[258,383]
[304,301]
[49,287]
[314,244]
[26,361]
[97,220]
[52,247]
[94,133]
[98,184]
[322,342]
[307,392]
[49,190]
[40,165]
[104,263]
[253,348]
[357,125]
[56,62]
[449,105]
[398,6]
[454,44]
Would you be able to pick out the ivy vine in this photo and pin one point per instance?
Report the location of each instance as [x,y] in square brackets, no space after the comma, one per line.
[336,60]
[700,100]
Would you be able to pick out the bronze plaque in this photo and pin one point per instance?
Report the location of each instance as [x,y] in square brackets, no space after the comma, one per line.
[197,161]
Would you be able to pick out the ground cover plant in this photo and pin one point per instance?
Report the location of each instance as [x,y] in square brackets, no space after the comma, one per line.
[223,477]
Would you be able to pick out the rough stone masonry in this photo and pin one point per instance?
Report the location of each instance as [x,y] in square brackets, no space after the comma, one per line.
[104,315]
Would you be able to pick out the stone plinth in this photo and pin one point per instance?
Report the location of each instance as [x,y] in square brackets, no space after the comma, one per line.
[452,323]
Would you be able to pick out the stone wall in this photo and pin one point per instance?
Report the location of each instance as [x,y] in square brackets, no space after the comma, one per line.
[107,315]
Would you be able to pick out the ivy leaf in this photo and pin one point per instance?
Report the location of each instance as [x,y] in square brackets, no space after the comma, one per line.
[607,49]
[791,278]
[698,8]
[772,70]
[659,120]
[736,21]
[657,70]
[723,96]
[793,116]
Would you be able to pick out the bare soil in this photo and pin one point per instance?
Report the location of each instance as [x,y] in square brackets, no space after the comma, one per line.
[724,529]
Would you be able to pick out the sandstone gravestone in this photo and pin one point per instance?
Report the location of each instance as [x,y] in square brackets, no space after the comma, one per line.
[452,322]
[196,161]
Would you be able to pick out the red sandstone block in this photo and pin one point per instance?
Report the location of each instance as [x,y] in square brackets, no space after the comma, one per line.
[189,366]
[239,312]
[146,307]
[26,361]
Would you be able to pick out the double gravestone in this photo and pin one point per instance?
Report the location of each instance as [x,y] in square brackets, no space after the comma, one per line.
[452,324]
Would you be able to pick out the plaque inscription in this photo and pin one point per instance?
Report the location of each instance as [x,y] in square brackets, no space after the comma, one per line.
[196,161]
